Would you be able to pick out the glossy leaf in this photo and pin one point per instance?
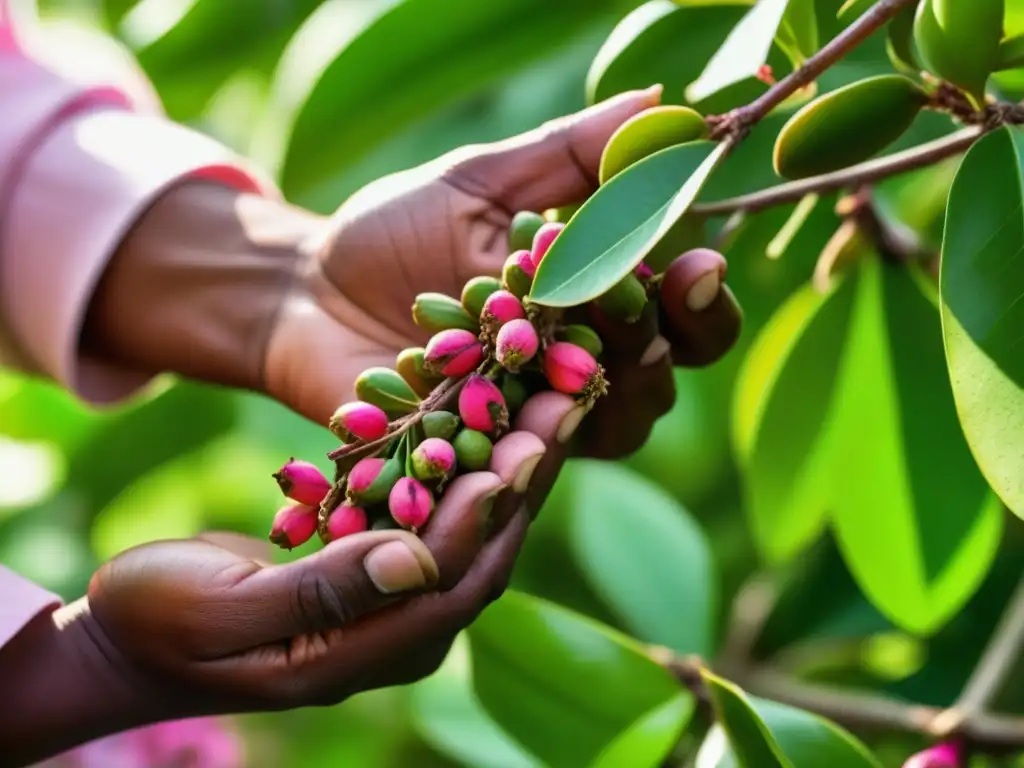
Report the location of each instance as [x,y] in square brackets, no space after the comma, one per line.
[781,415]
[749,738]
[802,738]
[914,517]
[446,713]
[1011,53]
[670,43]
[622,222]
[982,286]
[743,52]
[650,739]
[408,62]
[560,684]
[667,596]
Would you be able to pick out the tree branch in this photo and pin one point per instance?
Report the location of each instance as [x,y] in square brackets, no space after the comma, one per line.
[856,711]
[992,669]
[855,175]
[739,120]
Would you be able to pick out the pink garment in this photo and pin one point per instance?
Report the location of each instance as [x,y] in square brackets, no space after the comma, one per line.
[78,164]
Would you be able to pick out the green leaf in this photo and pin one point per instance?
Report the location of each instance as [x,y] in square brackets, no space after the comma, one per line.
[622,222]
[668,43]
[798,32]
[1011,52]
[747,734]
[560,684]
[744,51]
[446,713]
[409,61]
[914,517]
[802,738]
[650,738]
[781,413]
[982,288]
[643,554]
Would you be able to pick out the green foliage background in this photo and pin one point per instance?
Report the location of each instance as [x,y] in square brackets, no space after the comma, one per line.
[881,589]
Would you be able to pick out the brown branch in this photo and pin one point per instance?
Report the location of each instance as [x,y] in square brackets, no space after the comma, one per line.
[855,175]
[739,120]
[989,675]
[856,711]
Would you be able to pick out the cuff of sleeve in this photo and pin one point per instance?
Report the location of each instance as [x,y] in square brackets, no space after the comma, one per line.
[20,602]
[79,194]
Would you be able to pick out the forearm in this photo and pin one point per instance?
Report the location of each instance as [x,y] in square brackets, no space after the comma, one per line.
[61,688]
[195,287]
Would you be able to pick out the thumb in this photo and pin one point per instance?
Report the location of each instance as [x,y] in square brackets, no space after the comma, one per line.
[553,165]
[334,587]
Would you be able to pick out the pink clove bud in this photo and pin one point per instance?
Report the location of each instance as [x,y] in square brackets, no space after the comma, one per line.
[294,525]
[517,344]
[410,504]
[454,352]
[501,307]
[643,272]
[482,406]
[346,520]
[945,755]
[543,239]
[433,459]
[359,421]
[573,370]
[302,482]
[523,260]
[517,274]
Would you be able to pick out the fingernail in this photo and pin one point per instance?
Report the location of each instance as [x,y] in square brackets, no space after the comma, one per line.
[704,291]
[656,350]
[525,472]
[571,420]
[484,510]
[395,567]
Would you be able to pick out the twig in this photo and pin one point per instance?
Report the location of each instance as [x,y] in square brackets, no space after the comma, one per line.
[855,175]
[990,673]
[739,120]
[856,711]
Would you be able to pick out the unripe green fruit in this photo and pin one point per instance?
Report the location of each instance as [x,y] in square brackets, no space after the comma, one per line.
[436,312]
[847,126]
[562,214]
[522,229]
[514,392]
[958,40]
[409,365]
[476,291]
[583,336]
[515,279]
[387,390]
[472,449]
[625,300]
[648,132]
[392,471]
[440,424]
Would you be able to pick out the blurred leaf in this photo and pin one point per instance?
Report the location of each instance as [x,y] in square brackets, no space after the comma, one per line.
[650,738]
[211,42]
[446,712]
[644,555]
[913,516]
[982,287]
[132,442]
[560,684]
[115,10]
[796,738]
[409,61]
[746,48]
[781,417]
[621,222]
[34,410]
[751,744]
[668,43]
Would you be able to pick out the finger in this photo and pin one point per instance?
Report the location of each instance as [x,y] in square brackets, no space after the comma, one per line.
[515,460]
[259,551]
[699,314]
[554,418]
[460,524]
[332,588]
[553,165]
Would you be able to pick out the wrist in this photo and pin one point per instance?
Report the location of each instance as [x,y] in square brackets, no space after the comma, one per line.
[65,684]
[195,286]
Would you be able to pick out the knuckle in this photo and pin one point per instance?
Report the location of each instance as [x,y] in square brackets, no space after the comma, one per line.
[321,603]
